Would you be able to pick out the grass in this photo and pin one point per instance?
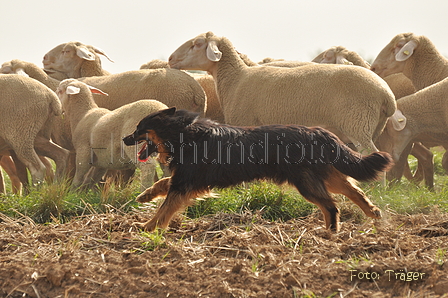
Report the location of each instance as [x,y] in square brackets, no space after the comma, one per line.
[56,202]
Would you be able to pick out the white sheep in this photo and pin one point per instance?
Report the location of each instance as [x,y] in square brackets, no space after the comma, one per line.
[401,86]
[340,55]
[170,86]
[97,134]
[74,60]
[351,101]
[415,56]
[214,110]
[418,59]
[420,117]
[28,111]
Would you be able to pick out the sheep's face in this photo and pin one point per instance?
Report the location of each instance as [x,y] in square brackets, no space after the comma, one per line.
[50,59]
[392,59]
[6,68]
[199,53]
[394,140]
[68,57]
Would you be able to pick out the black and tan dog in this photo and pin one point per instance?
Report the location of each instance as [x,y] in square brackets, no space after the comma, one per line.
[203,154]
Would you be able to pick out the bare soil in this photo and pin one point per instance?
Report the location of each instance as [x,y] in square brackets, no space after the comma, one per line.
[225,255]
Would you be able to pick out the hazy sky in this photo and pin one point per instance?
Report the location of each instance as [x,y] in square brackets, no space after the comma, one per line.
[136,31]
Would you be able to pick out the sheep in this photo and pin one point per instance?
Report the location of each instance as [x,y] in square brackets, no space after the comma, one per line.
[422,116]
[401,86]
[418,59]
[415,56]
[154,64]
[170,86]
[28,111]
[287,63]
[97,134]
[214,110]
[353,102]
[340,55]
[74,60]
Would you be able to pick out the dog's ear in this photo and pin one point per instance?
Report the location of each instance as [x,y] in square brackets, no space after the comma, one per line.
[168,112]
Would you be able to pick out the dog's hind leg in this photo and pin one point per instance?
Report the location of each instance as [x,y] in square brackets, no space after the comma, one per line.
[313,190]
[158,189]
[175,201]
[341,184]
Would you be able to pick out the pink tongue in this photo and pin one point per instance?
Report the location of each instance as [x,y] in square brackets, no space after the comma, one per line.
[141,150]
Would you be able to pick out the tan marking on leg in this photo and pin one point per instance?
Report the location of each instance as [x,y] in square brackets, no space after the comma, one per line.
[158,189]
[174,202]
[342,184]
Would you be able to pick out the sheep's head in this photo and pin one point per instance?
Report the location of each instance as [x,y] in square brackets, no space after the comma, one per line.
[334,55]
[396,135]
[340,55]
[199,53]
[73,87]
[68,58]
[13,67]
[393,58]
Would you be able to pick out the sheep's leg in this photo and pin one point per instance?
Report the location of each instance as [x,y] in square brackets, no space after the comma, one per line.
[57,153]
[29,157]
[425,165]
[445,159]
[22,172]
[83,166]
[165,169]
[313,189]
[158,189]
[2,183]
[147,172]
[8,165]
[338,183]
[49,173]
[175,201]
[93,177]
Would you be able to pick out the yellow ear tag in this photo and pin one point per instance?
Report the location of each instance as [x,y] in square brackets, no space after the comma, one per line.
[400,120]
[406,52]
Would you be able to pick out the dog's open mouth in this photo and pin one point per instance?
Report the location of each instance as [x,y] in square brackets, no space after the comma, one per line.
[143,154]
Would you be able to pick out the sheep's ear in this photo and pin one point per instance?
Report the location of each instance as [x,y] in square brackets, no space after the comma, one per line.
[72,90]
[406,51]
[84,53]
[398,120]
[213,53]
[21,72]
[101,52]
[97,91]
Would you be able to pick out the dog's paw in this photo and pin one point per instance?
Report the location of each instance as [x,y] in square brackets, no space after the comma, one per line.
[375,212]
[146,226]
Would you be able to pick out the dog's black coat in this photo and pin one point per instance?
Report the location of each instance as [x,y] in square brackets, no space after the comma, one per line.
[204,154]
[207,154]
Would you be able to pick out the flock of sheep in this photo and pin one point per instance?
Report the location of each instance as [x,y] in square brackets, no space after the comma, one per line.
[75,112]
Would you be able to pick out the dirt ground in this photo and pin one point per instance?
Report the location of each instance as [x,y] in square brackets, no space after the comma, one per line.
[104,255]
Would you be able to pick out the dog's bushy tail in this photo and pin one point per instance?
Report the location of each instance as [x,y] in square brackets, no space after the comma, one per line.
[363,168]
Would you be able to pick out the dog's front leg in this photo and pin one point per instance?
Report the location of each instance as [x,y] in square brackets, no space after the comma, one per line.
[175,201]
[158,189]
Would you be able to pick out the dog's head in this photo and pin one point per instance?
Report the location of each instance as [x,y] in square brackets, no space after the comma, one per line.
[146,132]
[157,128]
